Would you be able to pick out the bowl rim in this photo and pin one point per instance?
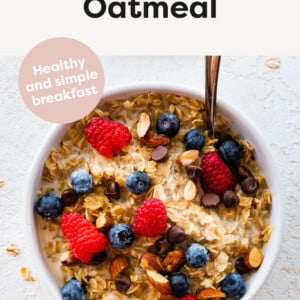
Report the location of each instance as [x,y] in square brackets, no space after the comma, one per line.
[121,91]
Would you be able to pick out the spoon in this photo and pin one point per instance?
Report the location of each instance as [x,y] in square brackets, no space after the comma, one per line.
[212,64]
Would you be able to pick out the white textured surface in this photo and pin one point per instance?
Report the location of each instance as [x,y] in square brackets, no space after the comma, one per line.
[271,98]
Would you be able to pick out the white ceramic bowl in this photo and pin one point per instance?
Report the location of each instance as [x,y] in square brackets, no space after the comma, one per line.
[237,120]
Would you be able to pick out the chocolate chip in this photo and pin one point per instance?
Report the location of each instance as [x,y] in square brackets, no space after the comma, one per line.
[69,197]
[240,266]
[230,199]
[176,235]
[210,200]
[243,172]
[98,258]
[193,172]
[249,185]
[159,153]
[122,283]
[112,190]
[162,246]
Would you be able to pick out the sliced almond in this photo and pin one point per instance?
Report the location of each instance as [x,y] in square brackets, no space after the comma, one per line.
[150,261]
[254,258]
[159,282]
[153,139]
[173,260]
[188,157]
[143,125]
[103,223]
[68,259]
[117,265]
[190,191]
[210,293]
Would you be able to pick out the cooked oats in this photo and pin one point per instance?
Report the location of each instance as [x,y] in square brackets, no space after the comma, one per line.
[227,233]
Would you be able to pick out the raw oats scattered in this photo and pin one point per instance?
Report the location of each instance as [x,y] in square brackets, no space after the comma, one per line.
[13,249]
[273,62]
[26,275]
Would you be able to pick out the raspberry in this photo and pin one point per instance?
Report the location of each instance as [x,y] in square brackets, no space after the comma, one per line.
[150,218]
[216,176]
[83,237]
[107,136]
[188,297]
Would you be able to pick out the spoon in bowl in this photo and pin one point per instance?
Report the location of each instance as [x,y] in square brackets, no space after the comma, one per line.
[212,64]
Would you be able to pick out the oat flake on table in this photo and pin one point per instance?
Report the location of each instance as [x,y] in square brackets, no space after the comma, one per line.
[13,249]
[273,62]
[26,275]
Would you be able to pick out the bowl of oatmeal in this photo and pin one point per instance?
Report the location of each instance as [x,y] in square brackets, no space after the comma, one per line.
[166,210]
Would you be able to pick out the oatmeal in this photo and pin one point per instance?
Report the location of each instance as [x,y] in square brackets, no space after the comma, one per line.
[194,210]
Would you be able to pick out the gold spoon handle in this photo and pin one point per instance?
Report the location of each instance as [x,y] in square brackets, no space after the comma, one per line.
[212,64]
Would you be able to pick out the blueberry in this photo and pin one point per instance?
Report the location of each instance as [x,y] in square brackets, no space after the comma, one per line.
[231,151]
[194,139]
[180,284]
[234,286]
[197,256]
[73,290]
[81,181]
[168,124]
[137,182]
[121,236]
[49,206]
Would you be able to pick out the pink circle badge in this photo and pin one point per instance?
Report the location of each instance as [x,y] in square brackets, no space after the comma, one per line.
[61,80]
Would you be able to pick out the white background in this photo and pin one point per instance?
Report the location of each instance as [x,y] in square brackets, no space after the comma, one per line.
[259,27]
[271,99]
